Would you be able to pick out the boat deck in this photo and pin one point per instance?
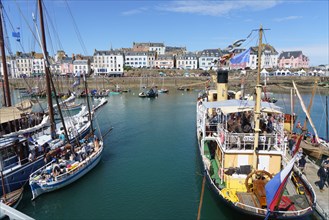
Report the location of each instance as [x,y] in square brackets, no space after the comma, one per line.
[316,151]
[248,199]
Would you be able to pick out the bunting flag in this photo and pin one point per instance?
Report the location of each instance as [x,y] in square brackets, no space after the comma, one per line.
[225,57]
[241,57]
[238,43]
[16,34]
[77,81]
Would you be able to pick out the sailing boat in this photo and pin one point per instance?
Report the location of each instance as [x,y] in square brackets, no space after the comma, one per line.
[316,148]
[242,147]
[69,163]
[68,166]
[14,151]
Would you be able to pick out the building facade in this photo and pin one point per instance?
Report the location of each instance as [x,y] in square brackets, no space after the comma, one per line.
[159,48]
[108,62]
[164,62]
[269,58]
[293,59]
[187,61]
[208,59]
[136,59]
[81,66]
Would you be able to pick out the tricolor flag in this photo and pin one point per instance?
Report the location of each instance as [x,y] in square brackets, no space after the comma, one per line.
[241,57]
[274,188]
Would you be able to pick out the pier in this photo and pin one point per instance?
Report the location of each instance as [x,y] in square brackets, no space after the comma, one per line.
[322,205]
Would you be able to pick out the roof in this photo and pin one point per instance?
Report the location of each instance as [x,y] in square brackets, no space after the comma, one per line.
[14,112]
[289,54]
[6,142]
[234,105]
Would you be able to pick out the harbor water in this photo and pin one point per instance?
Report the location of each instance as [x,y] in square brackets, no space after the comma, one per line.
[150,168]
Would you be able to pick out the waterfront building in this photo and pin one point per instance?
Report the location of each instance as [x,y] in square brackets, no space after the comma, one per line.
[60,55]
[38,66]
[187,61]
[66,66]
[55,68]
[11,65]
[164,62]
[208,59]
[293,59]
[159,48]
[81,66]
[175,50]
[269,58]
[24,64]
[108,62]
[136,59]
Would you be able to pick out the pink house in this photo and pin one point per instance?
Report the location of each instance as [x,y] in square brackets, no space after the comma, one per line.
[67,66]
[293,59]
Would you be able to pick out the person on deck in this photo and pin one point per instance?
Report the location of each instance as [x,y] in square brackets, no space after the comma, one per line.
[302,163]
[322,174]
[62,137]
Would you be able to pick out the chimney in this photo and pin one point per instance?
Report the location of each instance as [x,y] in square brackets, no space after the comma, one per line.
[222,85]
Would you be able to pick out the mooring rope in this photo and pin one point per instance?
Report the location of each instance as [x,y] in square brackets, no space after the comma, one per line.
[201,197]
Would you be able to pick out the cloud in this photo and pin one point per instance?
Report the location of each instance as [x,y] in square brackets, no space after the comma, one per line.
[214,8]
[287,18]
[134,11]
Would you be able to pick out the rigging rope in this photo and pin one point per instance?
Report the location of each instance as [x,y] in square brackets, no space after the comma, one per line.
[26,21]
[76,29]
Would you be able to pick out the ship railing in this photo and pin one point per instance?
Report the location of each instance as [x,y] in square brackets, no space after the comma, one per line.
[278,213]
[245,141]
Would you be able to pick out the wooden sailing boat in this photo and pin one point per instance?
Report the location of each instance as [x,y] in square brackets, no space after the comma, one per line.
[319,148]
[14,166]
[72,162]
[242,147]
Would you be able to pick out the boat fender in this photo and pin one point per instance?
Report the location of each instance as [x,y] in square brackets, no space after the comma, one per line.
[222,137]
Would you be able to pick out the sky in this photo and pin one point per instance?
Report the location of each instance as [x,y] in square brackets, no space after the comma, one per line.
[81,26]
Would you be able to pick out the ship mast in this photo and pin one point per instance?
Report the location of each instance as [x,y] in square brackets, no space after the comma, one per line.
[6,94]
[258,100]
[46,63]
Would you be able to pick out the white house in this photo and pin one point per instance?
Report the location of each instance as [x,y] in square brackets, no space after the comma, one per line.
[81,66]
[269,57]
[108,62]
[24,64]
[187,61]
[208,59]
[136,59]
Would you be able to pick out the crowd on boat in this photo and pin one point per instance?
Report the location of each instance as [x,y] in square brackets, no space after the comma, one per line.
[63,160]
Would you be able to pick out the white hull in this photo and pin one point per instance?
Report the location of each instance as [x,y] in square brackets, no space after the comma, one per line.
[61,181]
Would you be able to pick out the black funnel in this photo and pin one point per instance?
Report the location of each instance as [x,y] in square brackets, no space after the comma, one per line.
[222,76]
